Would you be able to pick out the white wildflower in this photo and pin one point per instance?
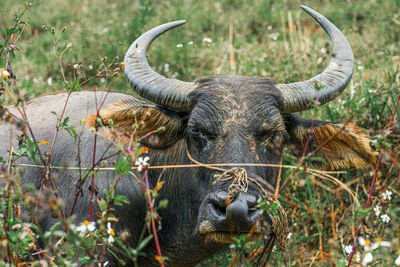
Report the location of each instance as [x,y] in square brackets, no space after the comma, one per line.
[76,66]
[50,81]
[369,247]
[86,227]
[111,233]
[377,210]
[274,36]
[190,43]
[323,50]
[360,67]
[207,40]
[179,45]
[102,80]
[269,27]
[387,195]
[357,257]
[348,249]
[289,235]
[142,162]
[385,218]
[367,259]
[382,243]
[166,67]
[365,243]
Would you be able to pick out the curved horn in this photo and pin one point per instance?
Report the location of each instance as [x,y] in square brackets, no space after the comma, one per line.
[330,83]
[149,84]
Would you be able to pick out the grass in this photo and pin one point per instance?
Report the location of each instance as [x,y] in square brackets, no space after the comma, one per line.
[254,38]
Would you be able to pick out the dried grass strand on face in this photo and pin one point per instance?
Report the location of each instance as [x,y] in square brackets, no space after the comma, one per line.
[240,182]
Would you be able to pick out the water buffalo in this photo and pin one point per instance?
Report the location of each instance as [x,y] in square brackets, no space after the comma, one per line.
[227,119]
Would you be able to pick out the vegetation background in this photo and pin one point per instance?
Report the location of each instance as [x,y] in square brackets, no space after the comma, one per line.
[267,38]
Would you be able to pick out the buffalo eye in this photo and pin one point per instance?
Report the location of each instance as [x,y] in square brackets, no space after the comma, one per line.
[198,132]
[200,137]
[273,141]
[194,131]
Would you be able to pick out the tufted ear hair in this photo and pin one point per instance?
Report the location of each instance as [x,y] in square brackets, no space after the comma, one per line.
[156,127]
[338,145]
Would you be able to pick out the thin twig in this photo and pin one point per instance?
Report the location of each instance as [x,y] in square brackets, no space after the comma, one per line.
[178,166]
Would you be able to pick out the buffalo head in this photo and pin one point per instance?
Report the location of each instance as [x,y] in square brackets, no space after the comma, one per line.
[236,120]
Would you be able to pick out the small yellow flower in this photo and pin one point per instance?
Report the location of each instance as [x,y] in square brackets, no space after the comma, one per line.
[112,232]
[123,64]
[45,142]
[143,150]
[84,121]
[159,185]
[159,259]
[5,74]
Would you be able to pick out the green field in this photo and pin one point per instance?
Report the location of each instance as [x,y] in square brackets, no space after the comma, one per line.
[267,38]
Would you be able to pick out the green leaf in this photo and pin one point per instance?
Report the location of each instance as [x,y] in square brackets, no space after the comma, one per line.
[123,166]
[11,31]
[121,199]
[84,259]
[274,206]
[68,128]
[361,212]
[74,86]
[102,204]
[144,243]
[28,148]
[50,233]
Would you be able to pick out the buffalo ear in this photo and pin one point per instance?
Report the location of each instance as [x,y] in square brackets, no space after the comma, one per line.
[338,145]
[155,127]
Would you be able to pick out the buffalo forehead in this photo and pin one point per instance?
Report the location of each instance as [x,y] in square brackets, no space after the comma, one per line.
[236,104]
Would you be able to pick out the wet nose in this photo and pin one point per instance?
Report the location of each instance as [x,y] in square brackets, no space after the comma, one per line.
[239,214]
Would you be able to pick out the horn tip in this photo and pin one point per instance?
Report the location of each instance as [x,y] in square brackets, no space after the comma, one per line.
[309,10]
[180,22]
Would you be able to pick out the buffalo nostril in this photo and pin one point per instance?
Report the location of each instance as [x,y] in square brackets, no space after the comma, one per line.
[220,210]
[218,203]
[252,202]
[238,214]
